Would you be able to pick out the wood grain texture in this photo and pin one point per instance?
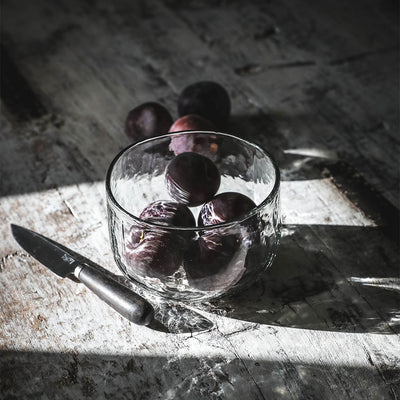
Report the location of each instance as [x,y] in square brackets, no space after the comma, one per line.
[313,82]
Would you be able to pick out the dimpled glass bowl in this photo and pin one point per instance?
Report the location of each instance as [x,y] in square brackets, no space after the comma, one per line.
[207,262]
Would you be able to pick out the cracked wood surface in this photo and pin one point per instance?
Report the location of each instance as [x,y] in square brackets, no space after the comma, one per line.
[312,82]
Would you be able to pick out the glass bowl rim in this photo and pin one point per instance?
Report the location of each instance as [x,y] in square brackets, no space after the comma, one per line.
[231,223]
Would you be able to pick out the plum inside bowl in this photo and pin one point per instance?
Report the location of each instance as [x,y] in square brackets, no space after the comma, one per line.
[181,229]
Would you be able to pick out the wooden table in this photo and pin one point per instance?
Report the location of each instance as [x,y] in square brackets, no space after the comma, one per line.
[315,83]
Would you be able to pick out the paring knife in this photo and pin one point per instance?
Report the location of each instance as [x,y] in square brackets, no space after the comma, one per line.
[63,262]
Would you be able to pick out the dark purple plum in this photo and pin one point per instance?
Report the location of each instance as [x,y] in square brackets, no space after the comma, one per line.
[207,99]
[151,252]
[169,213]
[214,262]
[222,252]
[192,122]
[225,207]
[147,120]
[192,179]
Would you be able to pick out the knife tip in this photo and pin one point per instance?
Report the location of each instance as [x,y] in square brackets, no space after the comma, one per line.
[15,228]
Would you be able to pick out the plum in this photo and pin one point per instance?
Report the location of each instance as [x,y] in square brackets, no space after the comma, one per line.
[221,252]
[152,252]
[214,261]
[147,120]
[192,179]
[207,99]
[224,207]
[205,144]
[168,213]
[192,122]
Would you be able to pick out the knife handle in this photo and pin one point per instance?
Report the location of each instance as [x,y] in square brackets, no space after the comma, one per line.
[128,303]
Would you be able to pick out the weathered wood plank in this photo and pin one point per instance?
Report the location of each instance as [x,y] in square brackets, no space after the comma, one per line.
[78,216]
[302,73]
[300,78]
[122,33]
[15,92]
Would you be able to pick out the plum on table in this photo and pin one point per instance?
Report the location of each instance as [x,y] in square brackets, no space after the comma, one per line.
[147,120]
[207,99]
[192,122]
[201,143]
[206,144]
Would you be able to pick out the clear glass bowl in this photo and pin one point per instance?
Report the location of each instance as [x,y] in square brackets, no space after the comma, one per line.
[193,263]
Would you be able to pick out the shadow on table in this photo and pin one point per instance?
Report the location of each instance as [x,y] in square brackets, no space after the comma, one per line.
[325,277]
[74,376]
[169,316]
[326,285]
[49,158]
[339,278]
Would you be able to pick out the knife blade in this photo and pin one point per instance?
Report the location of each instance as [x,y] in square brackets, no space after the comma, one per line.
[63,262]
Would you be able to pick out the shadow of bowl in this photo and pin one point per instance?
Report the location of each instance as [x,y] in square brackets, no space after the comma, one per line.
[309,285]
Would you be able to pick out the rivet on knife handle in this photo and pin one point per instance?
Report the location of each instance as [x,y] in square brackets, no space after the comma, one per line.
[122,299]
